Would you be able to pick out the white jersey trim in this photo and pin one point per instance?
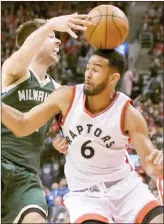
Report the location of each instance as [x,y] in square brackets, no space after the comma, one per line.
[16,220]
[46,80]
[56,84]
[101,112]
[122,118]
[41,82]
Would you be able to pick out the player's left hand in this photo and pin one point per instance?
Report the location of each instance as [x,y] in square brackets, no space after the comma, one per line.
[60,143]
[154,163]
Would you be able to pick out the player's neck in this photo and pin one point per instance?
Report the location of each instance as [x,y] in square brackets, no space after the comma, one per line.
[39,69]
[99,102]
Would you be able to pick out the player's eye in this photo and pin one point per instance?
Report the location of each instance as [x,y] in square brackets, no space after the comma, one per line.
[95,70]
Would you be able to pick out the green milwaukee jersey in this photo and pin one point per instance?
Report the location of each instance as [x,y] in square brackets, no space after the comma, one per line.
[23,95]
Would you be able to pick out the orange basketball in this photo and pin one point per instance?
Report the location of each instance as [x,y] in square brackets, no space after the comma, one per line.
[110,27]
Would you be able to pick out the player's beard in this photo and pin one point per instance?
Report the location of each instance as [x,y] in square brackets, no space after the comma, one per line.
[96,89]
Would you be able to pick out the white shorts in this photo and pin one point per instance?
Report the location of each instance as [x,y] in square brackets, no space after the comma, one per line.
[128,201]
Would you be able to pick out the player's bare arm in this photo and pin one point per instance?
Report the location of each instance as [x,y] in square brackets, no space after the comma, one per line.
[151,158]
[16,66]
[23,124]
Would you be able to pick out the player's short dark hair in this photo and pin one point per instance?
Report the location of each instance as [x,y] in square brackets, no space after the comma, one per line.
[115,59]
[25,29]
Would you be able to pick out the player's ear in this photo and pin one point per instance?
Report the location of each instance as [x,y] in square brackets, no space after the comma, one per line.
[115,77]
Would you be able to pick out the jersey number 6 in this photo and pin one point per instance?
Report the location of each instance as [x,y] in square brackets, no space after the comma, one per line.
[87,151]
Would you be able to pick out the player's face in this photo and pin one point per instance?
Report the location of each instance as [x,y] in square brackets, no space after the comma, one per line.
[96,75]
[50,49]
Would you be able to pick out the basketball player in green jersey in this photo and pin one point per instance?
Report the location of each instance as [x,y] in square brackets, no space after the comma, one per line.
[25,84]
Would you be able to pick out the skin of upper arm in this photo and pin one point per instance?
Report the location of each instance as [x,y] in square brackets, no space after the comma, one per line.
[58,101]
[12,70]
[136,126]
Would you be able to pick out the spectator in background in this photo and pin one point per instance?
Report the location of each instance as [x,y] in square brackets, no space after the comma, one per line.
[131,84]
[49,199]
[54,189]
[62,189]
[127,83]
[57,209]
[46,175]
[63,217]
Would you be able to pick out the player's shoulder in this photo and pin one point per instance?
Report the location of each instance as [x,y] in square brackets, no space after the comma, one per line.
[122,101]
[12,67]
[74,88]
[124,96]
[8,82]
[79,87]
[66,91]
[133,118]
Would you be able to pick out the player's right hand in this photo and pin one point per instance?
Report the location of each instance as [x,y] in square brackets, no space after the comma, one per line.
[154,163]
[69,22]
[60,144]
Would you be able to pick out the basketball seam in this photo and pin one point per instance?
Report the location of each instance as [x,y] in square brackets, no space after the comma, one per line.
[125,28]
[113,16]
[96,25]
[116,25]
[106,26]
[123,20]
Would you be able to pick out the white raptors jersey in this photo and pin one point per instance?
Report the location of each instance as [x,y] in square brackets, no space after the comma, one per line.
[96,151]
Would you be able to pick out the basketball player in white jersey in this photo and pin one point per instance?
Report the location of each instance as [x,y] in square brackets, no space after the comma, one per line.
[97,122]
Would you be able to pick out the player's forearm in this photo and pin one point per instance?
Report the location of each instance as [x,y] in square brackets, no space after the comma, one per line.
[138,132]
[12,119]
[24,124]
[33,44]
[143,148]
[17,64]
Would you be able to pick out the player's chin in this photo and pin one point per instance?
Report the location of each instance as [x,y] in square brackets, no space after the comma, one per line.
[88,91]
[55,58]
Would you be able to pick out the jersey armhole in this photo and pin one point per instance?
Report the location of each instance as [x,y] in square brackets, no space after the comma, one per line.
[16,83]
[69,108]
[122,120]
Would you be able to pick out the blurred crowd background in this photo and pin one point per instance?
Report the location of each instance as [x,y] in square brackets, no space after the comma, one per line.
[143,80]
